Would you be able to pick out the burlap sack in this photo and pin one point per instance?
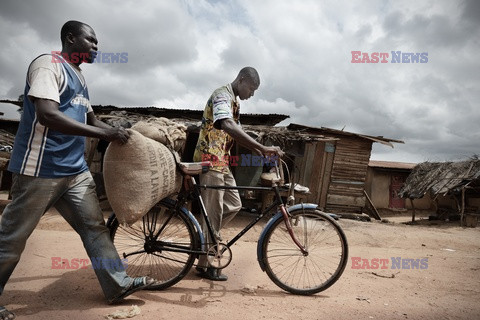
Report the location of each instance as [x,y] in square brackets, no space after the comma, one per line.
[137,175]
[163,130]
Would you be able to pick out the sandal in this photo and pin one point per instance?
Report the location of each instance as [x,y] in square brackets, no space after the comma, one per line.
[5,314]
[137,284]
[212,274]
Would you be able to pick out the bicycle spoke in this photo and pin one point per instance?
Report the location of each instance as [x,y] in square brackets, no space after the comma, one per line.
[324,261]
[160,245]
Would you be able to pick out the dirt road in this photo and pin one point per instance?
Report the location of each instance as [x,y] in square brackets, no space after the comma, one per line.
[445,284]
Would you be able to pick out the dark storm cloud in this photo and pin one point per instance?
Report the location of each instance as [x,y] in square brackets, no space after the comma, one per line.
[179,51]
[36,15]
[425,31]
[471,12]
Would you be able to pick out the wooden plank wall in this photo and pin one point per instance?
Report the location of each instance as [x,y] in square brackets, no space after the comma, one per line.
[309,169]
[314,170]
[349,173]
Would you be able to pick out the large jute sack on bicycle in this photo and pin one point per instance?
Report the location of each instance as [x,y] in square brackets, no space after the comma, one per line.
[137,175]
[163,130]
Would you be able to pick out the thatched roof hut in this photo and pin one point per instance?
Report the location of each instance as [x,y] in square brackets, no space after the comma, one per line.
[460,180]
[440,178]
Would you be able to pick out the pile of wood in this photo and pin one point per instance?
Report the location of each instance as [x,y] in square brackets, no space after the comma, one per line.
[281,136]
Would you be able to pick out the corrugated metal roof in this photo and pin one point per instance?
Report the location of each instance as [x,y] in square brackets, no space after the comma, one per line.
[189,114]
[391,165]
[329,131]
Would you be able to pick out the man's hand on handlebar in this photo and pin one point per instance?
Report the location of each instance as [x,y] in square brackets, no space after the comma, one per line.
[273,151]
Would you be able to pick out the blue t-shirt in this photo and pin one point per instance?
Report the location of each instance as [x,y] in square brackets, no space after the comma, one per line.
[42,152]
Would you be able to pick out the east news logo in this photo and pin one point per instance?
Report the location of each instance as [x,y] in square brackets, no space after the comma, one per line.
[397,263]
[396,57]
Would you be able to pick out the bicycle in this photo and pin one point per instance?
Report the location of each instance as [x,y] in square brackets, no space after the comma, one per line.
[302,249]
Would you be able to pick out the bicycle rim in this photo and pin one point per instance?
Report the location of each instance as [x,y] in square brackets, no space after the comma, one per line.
[308,274]
[141,245]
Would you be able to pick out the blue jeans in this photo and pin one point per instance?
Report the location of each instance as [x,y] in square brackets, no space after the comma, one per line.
[76,200]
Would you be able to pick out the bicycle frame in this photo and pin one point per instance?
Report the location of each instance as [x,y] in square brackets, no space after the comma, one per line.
[191,186]
[170,239]
[176,240]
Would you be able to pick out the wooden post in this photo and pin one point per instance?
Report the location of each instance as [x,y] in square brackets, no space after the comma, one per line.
[413,209]
[374,210]
[463,207]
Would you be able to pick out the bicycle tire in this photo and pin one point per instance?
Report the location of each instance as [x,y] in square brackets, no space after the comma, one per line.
[302,274]
[134,243]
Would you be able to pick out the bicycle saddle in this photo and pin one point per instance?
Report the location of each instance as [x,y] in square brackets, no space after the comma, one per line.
[194,168]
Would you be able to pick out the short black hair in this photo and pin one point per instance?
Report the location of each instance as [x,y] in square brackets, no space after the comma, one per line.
[73,27]
[251,74]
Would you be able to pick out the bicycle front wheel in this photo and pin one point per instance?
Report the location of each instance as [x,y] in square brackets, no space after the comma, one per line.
[159,245]
[310,273]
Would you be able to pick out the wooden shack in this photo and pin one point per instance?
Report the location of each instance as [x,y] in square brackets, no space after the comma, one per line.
[336,171]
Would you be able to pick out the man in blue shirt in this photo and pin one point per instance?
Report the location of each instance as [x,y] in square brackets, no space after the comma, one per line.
[49,168]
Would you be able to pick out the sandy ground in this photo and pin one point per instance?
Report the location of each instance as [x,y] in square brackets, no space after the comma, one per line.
[448,288]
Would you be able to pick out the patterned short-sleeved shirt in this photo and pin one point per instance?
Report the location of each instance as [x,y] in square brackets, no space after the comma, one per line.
[215,144]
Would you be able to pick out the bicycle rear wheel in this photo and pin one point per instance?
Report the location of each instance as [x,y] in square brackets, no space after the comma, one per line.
[306,274]
[159,245]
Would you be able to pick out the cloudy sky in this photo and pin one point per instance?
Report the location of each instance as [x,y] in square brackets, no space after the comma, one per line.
[178,51]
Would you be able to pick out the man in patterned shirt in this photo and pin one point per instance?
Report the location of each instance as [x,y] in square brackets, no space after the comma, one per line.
[220,129]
